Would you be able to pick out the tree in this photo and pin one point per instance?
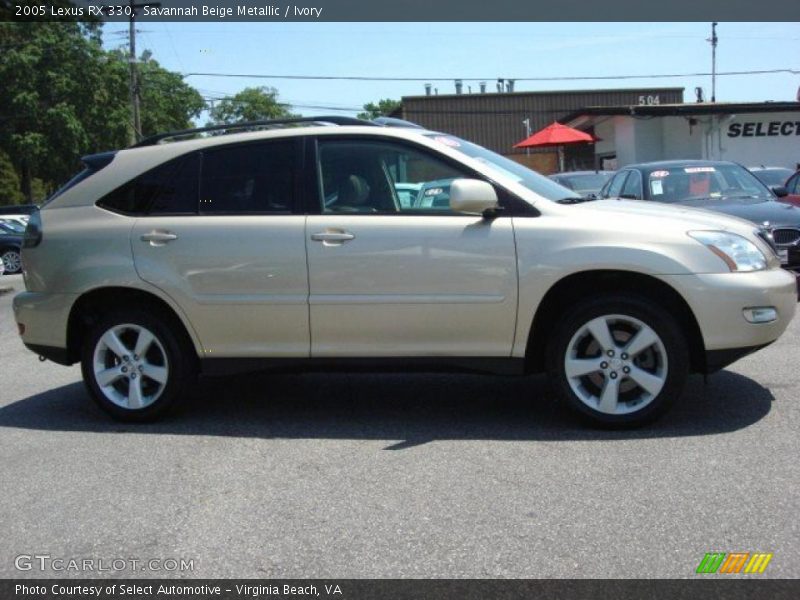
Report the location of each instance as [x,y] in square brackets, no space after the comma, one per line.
[251,104]
[382,109]
[47,86]
[166,102]
[9,182]
[63,96]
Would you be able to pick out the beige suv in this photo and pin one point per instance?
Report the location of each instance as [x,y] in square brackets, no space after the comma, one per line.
[326,243]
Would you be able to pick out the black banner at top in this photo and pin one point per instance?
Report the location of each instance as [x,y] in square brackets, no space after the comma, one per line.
[400,10]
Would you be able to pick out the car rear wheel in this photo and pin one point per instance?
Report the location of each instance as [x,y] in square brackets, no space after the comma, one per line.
[134,365]
[620,361]
[12,261]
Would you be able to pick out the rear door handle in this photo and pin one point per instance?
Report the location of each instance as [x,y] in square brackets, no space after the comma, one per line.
[158,238]
[333,236]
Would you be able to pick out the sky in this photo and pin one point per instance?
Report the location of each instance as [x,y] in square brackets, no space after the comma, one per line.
[424,51]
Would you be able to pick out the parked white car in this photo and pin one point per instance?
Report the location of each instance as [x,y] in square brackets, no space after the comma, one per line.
[290,246]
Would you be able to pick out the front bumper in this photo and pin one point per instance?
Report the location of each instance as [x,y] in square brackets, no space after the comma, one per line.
[716,360]
[718,300]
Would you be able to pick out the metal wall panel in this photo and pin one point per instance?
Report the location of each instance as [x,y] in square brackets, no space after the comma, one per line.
[496,120]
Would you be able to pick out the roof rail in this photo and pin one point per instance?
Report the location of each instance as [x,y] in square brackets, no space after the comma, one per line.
[393,122]
[332,120]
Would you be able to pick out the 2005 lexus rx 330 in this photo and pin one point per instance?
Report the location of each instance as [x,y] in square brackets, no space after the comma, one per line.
[306,244]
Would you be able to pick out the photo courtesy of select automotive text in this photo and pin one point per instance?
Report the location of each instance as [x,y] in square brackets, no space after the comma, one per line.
[411,300]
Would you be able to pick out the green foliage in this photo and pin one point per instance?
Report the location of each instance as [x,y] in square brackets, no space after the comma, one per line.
[166,103]
[382,109]
[63,96]
[9,182]
[40,190]
[251,104]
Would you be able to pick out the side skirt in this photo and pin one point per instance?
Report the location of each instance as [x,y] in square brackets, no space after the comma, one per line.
[217,367]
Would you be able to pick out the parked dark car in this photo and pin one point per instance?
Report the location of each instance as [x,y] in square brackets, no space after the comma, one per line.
[586,183]
[720,186]
[793,188]
[10,246]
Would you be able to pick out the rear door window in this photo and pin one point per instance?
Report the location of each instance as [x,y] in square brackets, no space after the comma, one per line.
[249,179]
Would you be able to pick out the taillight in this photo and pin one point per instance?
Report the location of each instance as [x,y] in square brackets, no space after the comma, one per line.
[33,232]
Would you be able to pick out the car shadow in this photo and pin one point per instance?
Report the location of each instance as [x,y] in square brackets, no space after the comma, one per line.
[412,408]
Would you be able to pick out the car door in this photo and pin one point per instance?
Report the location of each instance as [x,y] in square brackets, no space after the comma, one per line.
[393,280]
[228,247]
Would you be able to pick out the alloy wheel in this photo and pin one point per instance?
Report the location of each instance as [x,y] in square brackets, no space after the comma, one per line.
[130,366]
[12,261]
[616,364]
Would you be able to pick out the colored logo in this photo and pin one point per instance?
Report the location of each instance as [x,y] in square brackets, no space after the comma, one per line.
[734,562]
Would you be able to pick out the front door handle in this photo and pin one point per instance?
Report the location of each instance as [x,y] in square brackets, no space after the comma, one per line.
[158,238]
[336,237]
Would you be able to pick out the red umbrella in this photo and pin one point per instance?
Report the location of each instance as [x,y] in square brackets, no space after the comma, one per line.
[556,135]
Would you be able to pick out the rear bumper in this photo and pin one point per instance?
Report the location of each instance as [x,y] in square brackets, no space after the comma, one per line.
[57,355]
[45,317]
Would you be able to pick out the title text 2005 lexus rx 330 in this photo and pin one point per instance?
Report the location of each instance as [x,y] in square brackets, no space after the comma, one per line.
[306,244]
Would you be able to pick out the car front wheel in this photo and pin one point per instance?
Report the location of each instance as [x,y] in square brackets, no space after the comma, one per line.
[621,361]
[134,366]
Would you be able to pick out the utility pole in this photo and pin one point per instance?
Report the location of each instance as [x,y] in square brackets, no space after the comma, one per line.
[133,83]
[136,120]
[713,41]
[527,123]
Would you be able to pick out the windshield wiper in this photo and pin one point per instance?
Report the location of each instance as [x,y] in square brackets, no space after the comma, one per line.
[571,200]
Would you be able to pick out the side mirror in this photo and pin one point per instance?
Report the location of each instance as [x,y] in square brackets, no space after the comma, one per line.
[779,191]
[472,196]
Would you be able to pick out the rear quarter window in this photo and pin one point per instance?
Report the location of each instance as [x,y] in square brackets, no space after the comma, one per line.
[169,189]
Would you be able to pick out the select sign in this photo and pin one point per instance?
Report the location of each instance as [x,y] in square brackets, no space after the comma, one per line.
[759,129]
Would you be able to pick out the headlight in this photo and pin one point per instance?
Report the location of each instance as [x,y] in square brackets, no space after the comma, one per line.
[738,253]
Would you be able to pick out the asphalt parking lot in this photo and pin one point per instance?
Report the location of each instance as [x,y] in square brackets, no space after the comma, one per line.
[385,475]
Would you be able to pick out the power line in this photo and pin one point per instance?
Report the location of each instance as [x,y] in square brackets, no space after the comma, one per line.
[460,34]
[285,103]
[518,79]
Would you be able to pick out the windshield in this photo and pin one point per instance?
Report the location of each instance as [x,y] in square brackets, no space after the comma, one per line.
[12,226]
[705,182]
[584,183]
[773,176]
[532,180]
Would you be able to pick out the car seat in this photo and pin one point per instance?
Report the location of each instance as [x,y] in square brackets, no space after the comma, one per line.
[354,195]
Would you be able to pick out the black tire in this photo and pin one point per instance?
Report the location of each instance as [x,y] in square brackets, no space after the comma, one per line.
[12,260]
[171,350]
[666,360]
